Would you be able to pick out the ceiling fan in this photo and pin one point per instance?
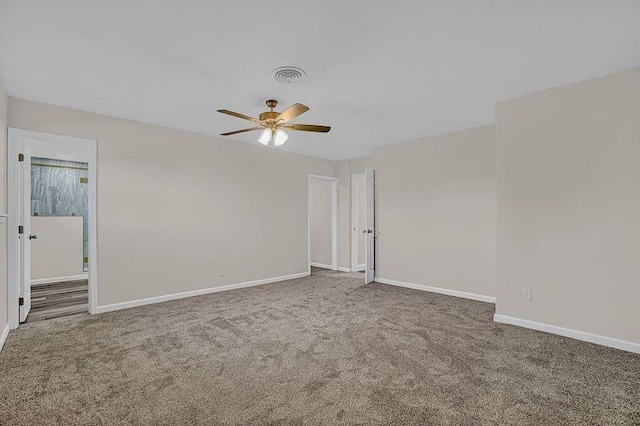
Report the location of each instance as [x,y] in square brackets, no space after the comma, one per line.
[273,123]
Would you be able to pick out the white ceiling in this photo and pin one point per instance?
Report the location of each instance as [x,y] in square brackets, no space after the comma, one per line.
[379,72]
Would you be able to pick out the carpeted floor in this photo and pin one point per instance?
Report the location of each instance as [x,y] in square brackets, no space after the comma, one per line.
[319,350]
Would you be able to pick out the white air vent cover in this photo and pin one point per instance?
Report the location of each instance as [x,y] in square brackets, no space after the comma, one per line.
[289,74]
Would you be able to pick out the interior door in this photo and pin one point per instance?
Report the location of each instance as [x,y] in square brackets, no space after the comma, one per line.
[370,230]
[25,237]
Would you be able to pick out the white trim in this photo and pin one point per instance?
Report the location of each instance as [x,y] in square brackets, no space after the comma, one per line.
[52,146]
[13,286]
[175,296]
[309,225]
[59,279]
[334,219]
[322,265]
[370,226]
[4,335]
[354,223]
[455,293]
[343,269]
[361,267]
[568,332]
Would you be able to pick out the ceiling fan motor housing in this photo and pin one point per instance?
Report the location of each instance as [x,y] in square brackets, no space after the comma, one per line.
[269,115]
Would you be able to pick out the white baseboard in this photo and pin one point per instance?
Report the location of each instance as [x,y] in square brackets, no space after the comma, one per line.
[361,267]
[60,279]
[456,293]
[3,336]
[343,269]
[322,265]
[165,298]
[568,332]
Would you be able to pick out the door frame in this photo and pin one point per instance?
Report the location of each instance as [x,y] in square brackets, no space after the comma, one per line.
[370,250]
[46,145]
[334,219]
[355,266]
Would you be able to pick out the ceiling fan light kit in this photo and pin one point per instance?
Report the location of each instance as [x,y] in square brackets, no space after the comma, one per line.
[280,137]
[273,123]
[265,137]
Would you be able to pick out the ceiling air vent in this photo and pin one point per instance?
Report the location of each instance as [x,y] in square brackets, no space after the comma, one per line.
[289,74]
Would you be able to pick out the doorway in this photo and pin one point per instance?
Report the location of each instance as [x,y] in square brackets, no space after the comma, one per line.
[369,231]
[358,221]
[59,247]
[323,222]
[52,248]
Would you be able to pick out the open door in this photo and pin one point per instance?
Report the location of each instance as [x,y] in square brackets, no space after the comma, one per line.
[370,230]
[25,237]
[23,147]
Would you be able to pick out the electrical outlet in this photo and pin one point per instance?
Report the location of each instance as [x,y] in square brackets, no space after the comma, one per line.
[221,273]
[527,293]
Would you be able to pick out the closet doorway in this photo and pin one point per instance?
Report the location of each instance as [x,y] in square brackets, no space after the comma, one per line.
[358,221]
[323,222]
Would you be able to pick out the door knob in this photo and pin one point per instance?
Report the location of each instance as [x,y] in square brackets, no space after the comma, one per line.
[33,237]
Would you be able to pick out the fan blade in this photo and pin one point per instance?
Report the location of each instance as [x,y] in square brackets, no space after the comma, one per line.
[237,114]
[307,127]
[240,131]
[292,112]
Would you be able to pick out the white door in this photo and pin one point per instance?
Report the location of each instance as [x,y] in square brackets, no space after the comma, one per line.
[370,230]
[25,238]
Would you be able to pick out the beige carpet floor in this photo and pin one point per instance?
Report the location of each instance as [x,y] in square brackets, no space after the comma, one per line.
[319,350]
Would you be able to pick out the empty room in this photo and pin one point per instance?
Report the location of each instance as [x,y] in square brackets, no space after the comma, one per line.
[231,213]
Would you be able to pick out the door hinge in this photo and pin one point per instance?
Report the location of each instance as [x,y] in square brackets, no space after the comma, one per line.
[21,301]
[20,157]
[20,229]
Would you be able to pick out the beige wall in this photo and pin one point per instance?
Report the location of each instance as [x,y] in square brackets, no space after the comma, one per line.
[321,221]
[436,211]
[569,206]
[174,207]
[3,209]
[4,104]
[359,164]
[4,109]
[58,251]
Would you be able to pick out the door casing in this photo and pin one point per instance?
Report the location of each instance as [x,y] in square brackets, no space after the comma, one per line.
[370,228]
